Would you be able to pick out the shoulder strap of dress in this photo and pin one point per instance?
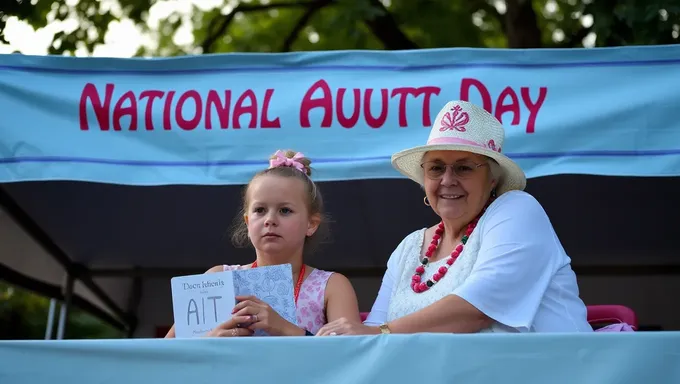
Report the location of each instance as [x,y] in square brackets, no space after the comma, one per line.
[319,275]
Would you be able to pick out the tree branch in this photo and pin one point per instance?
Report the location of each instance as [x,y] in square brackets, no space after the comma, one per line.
[302,22]
[522,25]
[385,28]
[212,37]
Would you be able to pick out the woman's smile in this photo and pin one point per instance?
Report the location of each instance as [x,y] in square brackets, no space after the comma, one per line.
[450,196]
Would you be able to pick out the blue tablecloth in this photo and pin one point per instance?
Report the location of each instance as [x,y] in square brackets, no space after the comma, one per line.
[620,358]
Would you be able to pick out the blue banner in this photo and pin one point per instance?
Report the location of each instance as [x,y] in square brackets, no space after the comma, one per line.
[216,119]
[538,358]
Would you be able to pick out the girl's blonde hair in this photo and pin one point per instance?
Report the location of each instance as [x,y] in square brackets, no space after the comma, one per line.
[313,200]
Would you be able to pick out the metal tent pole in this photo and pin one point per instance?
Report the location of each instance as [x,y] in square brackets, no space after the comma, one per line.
[65,306]
[49,329]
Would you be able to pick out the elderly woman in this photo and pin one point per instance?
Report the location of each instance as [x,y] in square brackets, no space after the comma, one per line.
[493,263]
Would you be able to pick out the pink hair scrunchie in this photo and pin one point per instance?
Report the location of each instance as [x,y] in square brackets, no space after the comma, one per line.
[280,160]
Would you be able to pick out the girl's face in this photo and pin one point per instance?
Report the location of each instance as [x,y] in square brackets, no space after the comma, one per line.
[277,216]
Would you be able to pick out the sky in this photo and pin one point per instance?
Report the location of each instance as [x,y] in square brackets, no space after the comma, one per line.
[124,38]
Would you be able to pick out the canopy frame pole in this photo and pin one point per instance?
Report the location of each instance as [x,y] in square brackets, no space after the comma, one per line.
[49,328]
[65,306]
[135,299]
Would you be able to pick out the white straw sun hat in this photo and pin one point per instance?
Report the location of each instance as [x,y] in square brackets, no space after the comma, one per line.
[463,126]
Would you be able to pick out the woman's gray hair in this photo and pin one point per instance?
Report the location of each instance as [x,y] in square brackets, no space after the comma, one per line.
[496,171]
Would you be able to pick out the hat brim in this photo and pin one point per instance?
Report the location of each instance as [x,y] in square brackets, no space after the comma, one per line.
[407,162]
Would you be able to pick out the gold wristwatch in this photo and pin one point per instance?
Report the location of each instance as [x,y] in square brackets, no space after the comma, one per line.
[384,329]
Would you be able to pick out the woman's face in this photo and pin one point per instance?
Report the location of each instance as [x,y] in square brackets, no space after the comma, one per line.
[460,194]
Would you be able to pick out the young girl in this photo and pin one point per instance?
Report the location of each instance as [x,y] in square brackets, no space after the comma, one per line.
[283,218]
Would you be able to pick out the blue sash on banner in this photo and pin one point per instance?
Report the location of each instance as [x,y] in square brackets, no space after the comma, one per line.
[215,119]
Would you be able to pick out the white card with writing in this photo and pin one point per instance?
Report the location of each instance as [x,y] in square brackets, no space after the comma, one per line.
[201,302]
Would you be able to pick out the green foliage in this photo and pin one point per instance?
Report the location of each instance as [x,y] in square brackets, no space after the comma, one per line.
[434,23]
[282,25]
[23,316]
[636,22]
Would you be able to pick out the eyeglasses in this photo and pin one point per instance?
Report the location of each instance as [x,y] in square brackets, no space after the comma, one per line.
[435,170]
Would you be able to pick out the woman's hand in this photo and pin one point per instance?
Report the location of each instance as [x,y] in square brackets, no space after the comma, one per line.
[342,326]
[253,313]
[229,328]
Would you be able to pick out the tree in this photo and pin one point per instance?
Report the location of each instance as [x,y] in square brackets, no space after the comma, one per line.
[301,25]
[23,315]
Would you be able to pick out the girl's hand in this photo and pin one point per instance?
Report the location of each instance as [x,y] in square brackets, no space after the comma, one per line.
[229,328]
[253,313]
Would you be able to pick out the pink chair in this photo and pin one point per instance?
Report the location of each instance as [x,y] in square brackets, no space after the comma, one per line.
[611,314]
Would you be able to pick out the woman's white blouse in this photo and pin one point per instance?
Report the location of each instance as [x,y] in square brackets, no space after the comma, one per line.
[513,269]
